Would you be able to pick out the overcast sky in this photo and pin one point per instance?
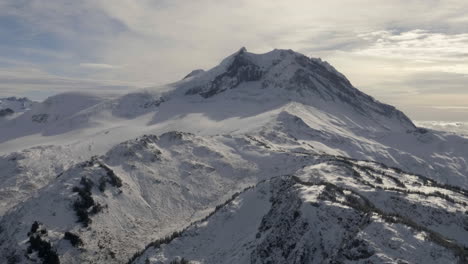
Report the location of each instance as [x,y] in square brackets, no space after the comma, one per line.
[409,53]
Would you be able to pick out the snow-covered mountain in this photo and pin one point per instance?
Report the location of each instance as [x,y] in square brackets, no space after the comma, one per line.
[336,211]
[333,175]
[11,105]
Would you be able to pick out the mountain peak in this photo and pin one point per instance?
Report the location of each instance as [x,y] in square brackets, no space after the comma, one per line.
[284,74]
[276,68]
[242,50]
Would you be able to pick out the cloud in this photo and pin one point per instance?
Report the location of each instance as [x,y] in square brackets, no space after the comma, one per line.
[464,108]
[419,71]
[417,45]
[98,66]
[390,49]
[38,85]
[178,36]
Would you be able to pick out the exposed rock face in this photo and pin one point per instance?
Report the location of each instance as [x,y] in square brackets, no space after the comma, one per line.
[240,70]
[6,112]
[40,118]
[12,105]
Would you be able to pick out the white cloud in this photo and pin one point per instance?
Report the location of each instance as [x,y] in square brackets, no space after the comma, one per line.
[178,36]
[465,108]
[98,66]
[37,84]
[382,46]
[417,45]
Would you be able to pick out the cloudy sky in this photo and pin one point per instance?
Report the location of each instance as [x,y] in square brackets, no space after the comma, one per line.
[409,53]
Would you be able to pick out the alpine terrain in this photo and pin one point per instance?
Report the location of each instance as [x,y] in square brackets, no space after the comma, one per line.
[12,105]
[265,158]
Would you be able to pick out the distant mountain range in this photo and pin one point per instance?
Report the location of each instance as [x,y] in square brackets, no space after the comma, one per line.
[454,127]
[11,105]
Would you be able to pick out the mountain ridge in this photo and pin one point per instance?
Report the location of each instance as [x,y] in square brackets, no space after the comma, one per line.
[308,73]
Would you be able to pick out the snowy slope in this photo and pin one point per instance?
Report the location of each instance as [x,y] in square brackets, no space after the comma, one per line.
[175,176]
[147,188]
[242,94]
[24,172]
[261,82]
[335,211]
[115,172]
